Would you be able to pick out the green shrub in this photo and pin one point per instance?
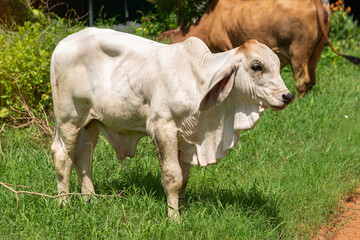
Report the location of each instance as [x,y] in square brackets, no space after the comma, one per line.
[25,61]
[150,25]
[171,13]
[14,12]
[344,35]
[344,31]
[190,11]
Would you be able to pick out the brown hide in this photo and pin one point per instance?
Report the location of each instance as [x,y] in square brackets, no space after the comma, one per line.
[291,28]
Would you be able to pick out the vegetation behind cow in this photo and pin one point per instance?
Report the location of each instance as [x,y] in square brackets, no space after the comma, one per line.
[172,13]
[14,12]
[25,60]
[344,31]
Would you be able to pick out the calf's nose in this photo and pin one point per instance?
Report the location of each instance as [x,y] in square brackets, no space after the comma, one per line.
[287,98]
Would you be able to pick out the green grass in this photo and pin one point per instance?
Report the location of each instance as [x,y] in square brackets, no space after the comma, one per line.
[284,179]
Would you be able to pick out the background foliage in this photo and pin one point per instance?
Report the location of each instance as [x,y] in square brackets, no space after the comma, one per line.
[172,13]
[344,30]
[25,59]
[14,12]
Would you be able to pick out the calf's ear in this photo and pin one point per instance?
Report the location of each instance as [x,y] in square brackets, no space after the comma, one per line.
[219,87]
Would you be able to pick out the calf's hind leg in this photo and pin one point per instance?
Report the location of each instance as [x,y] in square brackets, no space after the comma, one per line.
[63,150]
[83,157]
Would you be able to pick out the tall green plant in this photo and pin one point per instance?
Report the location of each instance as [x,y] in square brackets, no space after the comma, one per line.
[344,31]
[14,12]
[25,61]
[172,13]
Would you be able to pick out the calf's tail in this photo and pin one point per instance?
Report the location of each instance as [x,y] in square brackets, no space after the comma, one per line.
[322,15]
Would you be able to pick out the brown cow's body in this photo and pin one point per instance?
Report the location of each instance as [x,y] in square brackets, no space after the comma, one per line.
[291,28]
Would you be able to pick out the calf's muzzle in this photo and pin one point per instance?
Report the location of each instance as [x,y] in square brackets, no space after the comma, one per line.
[287,98]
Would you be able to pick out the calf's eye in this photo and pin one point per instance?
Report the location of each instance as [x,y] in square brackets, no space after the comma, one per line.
[256,68]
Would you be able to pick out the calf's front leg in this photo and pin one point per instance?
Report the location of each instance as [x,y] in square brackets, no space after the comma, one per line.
[174,172]
[185,164]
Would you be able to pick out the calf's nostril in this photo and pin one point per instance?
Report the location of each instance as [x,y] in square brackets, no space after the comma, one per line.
[287,98]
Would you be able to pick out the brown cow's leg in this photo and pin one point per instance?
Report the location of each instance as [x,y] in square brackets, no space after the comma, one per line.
[305,70]
[83,157]
[301,75]
[313,61]
[63,151]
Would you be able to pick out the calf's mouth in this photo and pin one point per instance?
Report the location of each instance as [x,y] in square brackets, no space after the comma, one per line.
[280,100]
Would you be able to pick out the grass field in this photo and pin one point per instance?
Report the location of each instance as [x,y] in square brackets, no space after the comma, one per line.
[284,179]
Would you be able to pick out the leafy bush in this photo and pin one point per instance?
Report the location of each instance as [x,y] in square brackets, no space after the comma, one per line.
[344,31]
[25,61]
[171,13]
[190,11]
[14,12]
[150,25]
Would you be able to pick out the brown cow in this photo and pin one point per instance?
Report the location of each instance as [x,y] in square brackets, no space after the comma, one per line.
[295,30]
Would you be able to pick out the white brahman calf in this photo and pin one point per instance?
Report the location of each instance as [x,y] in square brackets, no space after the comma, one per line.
[191,102]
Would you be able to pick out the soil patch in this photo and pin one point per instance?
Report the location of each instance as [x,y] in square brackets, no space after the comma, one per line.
[347,225]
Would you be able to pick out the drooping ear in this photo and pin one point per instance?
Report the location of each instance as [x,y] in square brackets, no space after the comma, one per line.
[219,87]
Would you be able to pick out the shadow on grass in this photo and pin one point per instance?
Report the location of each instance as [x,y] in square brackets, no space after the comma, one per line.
[250,200]
[133,182]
